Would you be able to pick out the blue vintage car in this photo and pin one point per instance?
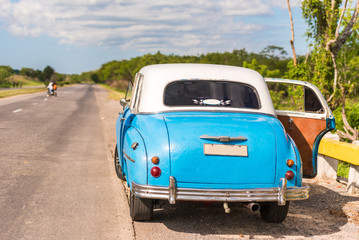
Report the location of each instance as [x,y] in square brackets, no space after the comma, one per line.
[201,132]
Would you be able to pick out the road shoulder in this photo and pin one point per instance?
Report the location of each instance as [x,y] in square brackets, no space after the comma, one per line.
[109,111]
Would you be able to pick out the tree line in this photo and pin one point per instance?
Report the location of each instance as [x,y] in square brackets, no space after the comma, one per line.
[46,75]
[272,61]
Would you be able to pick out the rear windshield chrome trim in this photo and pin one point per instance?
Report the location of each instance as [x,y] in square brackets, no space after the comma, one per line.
[208,111]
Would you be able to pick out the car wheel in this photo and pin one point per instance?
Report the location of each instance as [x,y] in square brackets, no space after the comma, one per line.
[141,209]
[118,166]
[274,213]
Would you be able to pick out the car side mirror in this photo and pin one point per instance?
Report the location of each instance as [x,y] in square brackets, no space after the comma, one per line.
[124,102]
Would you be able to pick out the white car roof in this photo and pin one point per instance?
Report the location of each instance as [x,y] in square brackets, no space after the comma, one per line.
[157,77]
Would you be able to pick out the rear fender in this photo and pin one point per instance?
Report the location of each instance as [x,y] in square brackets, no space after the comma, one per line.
[286,149]
[154,132]
[135,157]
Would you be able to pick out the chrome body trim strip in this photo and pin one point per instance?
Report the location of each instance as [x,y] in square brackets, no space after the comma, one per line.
[126,156]
[279,194]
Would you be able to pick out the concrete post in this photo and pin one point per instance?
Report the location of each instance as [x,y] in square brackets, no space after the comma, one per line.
[353,179]
[327,166]
[332,136]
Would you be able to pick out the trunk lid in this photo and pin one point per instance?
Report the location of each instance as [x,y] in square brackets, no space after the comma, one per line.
[199,156]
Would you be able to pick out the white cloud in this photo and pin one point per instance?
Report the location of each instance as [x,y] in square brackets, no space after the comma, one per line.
[178,25]
[283,3]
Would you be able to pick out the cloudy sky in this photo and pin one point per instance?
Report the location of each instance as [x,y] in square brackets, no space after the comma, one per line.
[74,36]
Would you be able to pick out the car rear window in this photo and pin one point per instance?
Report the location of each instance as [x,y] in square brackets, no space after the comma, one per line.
[211,93]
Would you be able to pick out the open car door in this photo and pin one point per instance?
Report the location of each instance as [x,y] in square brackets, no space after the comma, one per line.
[305,115]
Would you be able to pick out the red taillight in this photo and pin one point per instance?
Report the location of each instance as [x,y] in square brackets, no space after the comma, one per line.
[156,172]
[155,160]
[289,175]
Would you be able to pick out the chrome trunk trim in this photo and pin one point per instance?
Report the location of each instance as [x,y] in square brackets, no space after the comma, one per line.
[223,138]
[171,193]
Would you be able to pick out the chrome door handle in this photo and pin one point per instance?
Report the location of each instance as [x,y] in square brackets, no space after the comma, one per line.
[290,123]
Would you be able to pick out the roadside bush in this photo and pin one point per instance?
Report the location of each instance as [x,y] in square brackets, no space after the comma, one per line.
[5,84]
[352,112]
[343,169]
[118,85]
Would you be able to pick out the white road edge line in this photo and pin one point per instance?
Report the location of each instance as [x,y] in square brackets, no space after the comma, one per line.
[17,110]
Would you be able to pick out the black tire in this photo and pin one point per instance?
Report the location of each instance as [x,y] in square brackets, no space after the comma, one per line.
[141,209]
[118,166]
[274,213]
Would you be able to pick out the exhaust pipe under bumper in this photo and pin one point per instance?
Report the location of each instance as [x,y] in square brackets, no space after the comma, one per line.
[254,207]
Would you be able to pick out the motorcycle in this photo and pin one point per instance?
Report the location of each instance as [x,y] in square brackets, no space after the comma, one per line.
[52,89]
[52,93]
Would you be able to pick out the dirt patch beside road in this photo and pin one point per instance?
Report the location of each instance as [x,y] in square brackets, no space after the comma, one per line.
[109,111]
[329,213]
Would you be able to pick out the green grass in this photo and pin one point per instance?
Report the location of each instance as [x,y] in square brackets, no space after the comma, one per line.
[26,82]
[29,83]
[114,94]
[343,169]
[9,93]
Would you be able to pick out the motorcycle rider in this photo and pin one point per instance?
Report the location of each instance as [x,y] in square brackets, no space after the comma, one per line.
[54,86]
[50,87]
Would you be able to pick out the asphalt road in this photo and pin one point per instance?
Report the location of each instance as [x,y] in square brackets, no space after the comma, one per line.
[55,175]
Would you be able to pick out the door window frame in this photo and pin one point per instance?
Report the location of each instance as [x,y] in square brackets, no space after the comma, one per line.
[135,99]
[327,111]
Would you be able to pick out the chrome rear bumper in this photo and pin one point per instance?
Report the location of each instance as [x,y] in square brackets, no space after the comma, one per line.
[171,193]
